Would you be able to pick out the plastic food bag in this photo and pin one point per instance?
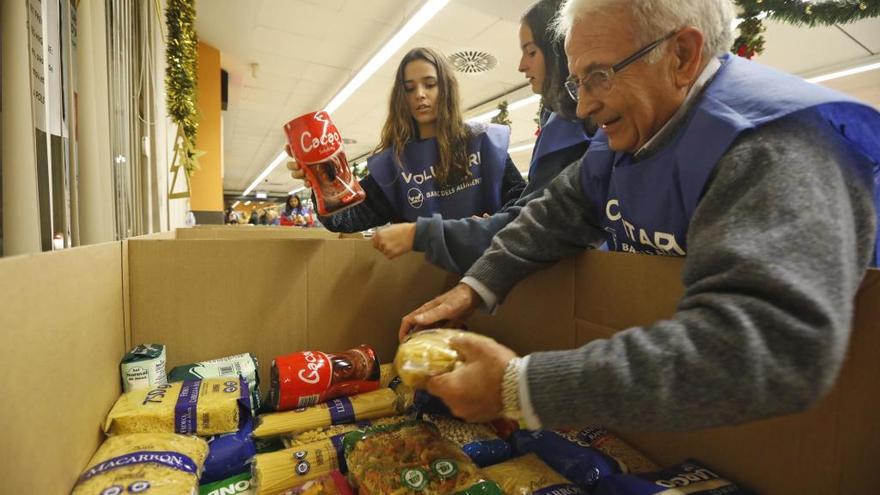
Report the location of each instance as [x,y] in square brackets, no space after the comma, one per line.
[285,469]
[325,433]
[244,365]
[425,354]
[583,465]
[478,441]
[229,454]
[344,410]
[688,477]
[628,459]
[529,475]
[207,407]
[332,484]
[307,378]
[410,457]
[156,463]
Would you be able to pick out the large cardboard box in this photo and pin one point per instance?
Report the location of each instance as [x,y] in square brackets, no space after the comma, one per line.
[68,317]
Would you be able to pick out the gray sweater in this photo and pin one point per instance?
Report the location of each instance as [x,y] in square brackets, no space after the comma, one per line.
[776,250]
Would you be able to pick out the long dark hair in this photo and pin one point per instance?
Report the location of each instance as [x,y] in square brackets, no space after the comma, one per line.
[452,133]
[539,17]
[290,209]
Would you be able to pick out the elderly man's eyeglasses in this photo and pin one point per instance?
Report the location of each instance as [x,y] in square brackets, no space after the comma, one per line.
[599,82]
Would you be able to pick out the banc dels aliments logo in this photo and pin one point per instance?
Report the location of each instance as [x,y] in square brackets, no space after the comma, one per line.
[415,197]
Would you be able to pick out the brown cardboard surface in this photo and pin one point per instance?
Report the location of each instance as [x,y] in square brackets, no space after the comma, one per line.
[537,315]
[61,325]
[209,299]
[621,290]
[357,296]
[831,449]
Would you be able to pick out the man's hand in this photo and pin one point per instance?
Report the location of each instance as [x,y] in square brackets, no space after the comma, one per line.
[473,390]
[395,240]
[449,308]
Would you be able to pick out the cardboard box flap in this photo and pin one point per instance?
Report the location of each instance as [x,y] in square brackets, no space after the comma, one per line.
[62,321]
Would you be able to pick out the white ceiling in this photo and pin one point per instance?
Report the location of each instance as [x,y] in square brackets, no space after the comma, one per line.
[308,49]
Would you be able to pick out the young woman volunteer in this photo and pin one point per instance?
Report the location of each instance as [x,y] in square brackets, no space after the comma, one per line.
[429,161]
[454,244]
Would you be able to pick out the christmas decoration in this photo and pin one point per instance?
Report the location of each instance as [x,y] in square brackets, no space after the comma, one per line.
[181,82]
[503,117]
[798,12]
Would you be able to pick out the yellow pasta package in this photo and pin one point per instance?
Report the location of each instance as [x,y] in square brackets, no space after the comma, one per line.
[275,472]
[528,475]
[153,463]
[332,484]
[343,410]
[201,407]
[410,458]
[329,432]
[425,354]
[387,373]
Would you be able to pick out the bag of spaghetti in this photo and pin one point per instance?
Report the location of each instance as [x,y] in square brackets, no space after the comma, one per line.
[343,410]
[477,440]
[201,407]
[584,456]
[688,477]
[331,484]
[410,457]
[529,475]
[155,463]
[278,471]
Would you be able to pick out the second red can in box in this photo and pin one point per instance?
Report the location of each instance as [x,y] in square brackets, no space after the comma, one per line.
[306,378]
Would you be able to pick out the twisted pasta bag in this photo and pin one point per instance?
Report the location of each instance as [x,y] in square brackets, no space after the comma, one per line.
[279,471]
[582,464]
[528,475]
[332,484]
[425,354]
[410,458]
[689,477]
[156,463]
[629,460]
[344,410]
[201,407]
[478,441]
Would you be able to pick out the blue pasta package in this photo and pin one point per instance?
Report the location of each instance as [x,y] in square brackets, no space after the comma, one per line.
[229,454]
[584,466]
[691,477]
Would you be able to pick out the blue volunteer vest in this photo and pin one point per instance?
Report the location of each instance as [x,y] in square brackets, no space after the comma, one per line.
[646,206]
[413,191]
[556,134]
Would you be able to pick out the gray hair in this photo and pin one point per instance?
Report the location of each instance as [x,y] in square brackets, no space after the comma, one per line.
[656,18]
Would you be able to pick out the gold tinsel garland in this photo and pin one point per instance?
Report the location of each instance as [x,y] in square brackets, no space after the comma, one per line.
[181,84]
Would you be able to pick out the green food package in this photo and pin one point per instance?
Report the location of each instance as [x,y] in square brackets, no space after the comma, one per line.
[241,364]
[239,484]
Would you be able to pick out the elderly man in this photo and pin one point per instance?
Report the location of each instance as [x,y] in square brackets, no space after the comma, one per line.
[765,182]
